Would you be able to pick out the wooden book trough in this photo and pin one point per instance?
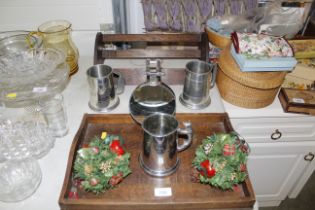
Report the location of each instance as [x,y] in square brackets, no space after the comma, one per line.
[151,46]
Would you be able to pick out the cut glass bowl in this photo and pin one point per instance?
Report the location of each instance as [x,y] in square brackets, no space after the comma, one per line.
[24,139]
[19,179]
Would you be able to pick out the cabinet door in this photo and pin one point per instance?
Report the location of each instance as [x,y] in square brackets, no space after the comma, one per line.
[275,168]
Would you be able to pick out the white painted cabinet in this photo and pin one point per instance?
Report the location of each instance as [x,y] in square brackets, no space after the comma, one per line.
[282,150]
[275,168]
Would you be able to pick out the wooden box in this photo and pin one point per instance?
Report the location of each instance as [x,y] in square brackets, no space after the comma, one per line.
[136,191]
[297,101]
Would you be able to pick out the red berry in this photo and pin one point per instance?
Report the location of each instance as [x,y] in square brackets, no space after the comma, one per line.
[205,163]
[116,147]
[210,171]
[73,194]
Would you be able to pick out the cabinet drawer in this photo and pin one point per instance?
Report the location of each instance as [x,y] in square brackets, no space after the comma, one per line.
[267,130]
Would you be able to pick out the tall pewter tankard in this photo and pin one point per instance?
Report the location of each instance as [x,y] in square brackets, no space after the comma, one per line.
[200,78]
[103,96]
[160,144]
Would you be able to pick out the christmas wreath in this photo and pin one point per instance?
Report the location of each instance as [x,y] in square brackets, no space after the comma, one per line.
[101,164]
[221,161]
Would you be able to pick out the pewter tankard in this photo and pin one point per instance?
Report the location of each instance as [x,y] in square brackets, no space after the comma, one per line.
[160,144]
[103,96]
[200,78]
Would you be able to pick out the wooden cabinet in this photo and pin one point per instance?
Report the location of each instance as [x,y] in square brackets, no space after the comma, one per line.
[282,150]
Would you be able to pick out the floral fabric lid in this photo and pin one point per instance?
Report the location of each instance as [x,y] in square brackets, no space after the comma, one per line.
[261,45]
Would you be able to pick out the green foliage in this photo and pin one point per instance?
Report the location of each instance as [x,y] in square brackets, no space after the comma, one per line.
[227,154]
[96,164]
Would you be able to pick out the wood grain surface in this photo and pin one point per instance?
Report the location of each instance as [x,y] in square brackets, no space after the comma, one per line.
[136,191]
[151,46]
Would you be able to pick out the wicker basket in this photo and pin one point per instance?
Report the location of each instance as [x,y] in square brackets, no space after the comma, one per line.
[217,39]
[246,89]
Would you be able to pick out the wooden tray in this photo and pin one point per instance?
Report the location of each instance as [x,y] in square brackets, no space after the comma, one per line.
[137,190]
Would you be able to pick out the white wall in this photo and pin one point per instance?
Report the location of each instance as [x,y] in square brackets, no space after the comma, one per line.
[28,14]
[135,19]
[85,16]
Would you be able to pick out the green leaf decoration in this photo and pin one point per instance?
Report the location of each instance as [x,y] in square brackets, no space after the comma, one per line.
[98,168]
[227,153]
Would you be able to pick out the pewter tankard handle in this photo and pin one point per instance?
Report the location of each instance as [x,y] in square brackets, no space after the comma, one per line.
[185,131]
[119,82]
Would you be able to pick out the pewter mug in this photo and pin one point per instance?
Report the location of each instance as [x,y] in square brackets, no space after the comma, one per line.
[200,78]
[160,144]
[103,96]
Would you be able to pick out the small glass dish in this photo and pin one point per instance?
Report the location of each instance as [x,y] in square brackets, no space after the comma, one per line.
[19,179]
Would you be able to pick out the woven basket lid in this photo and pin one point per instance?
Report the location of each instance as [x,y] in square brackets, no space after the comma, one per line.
[263,80]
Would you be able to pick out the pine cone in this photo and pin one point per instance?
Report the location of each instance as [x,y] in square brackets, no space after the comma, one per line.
[194,175]
[114,180]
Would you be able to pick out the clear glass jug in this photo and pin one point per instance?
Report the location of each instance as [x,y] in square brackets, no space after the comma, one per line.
[57,34]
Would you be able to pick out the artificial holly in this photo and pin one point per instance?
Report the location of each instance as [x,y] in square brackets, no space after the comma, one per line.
[220,161]
[116,147]
[101,164]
